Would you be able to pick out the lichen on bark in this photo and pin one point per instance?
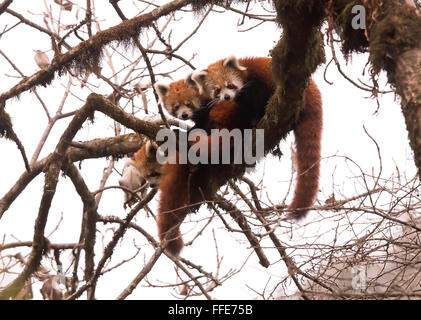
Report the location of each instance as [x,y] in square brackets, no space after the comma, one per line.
[294,58]
[393,41]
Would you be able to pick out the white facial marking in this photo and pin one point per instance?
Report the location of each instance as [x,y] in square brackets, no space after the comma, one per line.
[238,83]
[227,94]
[184,113]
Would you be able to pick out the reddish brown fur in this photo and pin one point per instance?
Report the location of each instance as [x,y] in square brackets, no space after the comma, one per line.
[225,115]
[258,68]
[178,93]
[173,186]
[146,163]
[182,185]
[183,189]
[308,135]
[307,132]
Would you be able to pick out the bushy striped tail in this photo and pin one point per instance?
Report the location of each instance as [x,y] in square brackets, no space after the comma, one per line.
[172,205]
[308,134]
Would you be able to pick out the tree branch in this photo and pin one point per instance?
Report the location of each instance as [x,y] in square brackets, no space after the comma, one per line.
[86,55]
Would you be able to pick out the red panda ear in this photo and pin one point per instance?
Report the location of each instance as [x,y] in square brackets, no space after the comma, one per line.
[151,148]
[199,78]
[232,62]
[161,89]
[189,80]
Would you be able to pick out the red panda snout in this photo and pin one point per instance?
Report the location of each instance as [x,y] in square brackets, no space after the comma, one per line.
[184,113]
[227,95]
[224,94]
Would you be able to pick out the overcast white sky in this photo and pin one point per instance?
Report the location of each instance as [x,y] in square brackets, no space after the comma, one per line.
[346,110]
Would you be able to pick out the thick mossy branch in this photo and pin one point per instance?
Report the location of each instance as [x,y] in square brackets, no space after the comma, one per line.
[294,59]
[88,60]
[356,41]
[408,86]
[5,125]
[106,147]
[392,28]
[300,14]
[397,30]
[393,35]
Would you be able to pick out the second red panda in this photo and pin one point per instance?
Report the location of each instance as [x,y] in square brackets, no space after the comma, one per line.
[223,80]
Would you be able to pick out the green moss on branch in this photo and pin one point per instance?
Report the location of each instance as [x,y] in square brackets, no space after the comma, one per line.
[397,30]
[294,59]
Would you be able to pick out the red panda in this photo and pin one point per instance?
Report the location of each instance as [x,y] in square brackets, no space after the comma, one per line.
[183,187]
[142,167]
[180,98]
[223,79]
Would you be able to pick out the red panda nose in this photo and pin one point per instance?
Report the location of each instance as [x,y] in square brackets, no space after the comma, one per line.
[227,97]
[185,116]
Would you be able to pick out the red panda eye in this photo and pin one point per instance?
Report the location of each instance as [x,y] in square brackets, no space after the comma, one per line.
[217,91]
[231,86]
[176,108]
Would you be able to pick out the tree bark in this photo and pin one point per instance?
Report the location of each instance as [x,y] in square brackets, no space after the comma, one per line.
[394,43]
[408,86]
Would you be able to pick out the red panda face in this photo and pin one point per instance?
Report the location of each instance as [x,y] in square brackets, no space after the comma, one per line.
[221,80]
[179,98]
